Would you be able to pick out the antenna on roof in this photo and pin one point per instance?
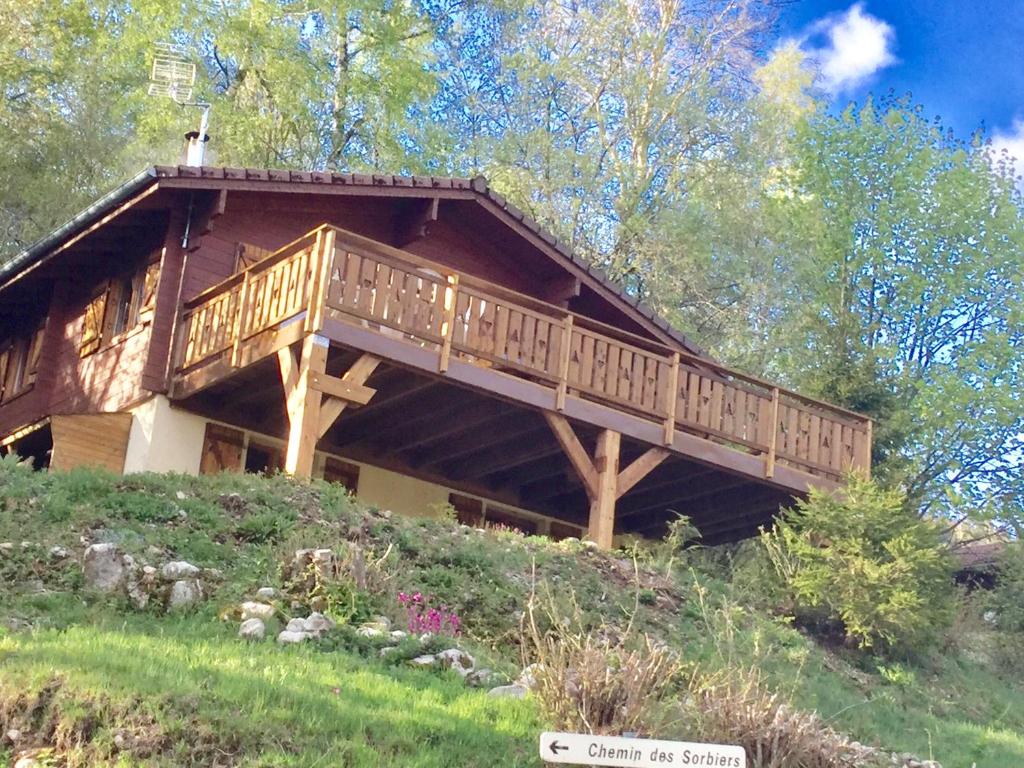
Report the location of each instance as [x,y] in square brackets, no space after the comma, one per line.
[174,77]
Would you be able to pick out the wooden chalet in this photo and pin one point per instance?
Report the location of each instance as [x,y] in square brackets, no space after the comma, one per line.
[417,338]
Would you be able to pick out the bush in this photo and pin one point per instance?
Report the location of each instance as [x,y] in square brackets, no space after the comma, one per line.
[860,560]
[1006,600]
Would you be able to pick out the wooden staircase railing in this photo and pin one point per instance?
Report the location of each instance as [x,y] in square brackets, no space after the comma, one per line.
[335,273]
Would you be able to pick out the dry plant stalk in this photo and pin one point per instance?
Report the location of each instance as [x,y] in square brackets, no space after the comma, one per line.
[587,682]
[734,707]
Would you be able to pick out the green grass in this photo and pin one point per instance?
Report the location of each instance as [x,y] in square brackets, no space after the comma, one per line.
[191,693]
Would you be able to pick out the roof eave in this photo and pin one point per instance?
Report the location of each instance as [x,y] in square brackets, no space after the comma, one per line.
[13,268]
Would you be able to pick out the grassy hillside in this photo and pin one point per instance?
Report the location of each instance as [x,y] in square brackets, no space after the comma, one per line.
[97,681]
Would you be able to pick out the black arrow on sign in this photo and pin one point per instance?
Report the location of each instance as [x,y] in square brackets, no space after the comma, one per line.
[555,747]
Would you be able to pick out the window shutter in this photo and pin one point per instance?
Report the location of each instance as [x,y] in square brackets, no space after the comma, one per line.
[92,329]
[150,279]
[35,351]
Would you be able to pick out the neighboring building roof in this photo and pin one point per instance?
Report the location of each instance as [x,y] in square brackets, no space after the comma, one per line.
[979,556]
[478,185]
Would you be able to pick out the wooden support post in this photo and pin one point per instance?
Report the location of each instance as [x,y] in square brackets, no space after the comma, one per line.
[769,461]
[303,404]
[673,397]
[563,364]
[602,507]
[448,329]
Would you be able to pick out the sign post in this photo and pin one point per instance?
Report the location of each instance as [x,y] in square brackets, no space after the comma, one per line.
[621,752]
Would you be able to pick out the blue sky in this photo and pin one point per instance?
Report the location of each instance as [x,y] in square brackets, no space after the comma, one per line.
[962,59]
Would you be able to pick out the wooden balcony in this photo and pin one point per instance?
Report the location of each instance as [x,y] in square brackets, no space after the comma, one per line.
[366,296]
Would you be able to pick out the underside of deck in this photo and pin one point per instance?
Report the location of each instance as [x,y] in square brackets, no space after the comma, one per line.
[427,426]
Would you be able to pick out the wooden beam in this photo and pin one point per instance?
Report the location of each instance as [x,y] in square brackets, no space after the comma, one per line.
[345,391]
[648,501]
[341,389]
[559,290]
[502,458]
[638,470]
[575,452]
[456,432]
[414,220]
[601,529]
[304,406]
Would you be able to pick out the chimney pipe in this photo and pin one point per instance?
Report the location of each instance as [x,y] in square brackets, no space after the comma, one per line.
[195,141]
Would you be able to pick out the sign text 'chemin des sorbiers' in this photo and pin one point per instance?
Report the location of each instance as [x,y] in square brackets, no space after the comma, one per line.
[621,752]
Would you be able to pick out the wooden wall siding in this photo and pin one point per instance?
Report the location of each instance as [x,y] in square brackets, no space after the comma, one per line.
[90,440]
[490,325]
[165,311]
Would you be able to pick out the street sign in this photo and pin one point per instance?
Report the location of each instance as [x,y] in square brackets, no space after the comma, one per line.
[621,752]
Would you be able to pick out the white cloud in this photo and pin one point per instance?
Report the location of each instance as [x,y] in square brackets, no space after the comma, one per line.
[1012,142]
[858,46]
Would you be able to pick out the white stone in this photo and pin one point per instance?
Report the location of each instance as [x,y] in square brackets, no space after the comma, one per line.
[179,569]
[479,678]
[514,691]
[184,594]
[13,735]
[397,634]
[6,546]
[103,568]
[296,625]
[289,637]
[427,660]
[455,659]
[527,678]
[266,593]
[317,624]
[387,651]
[252,629]
[368,631]
[381,622]
[58,553]
[138,595]
[181,495]
[28,762]
[252,610]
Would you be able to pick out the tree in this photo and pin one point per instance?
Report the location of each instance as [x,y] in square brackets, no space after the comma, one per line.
[591,115]
[327,85]
[907,284]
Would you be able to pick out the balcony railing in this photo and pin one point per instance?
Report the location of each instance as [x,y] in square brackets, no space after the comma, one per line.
[346,276]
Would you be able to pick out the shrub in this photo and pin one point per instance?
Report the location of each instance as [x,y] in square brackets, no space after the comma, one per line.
[858,558]
[1006,600]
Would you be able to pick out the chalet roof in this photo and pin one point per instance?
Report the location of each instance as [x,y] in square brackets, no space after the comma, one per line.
[218,174]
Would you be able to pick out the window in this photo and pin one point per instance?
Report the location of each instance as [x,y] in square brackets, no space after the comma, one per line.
[468,511]
[118,306]
[263,458]
[124,309]
[19,362]
[338,471]
[222,450]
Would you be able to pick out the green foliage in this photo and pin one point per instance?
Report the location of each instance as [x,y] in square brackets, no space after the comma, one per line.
[1007,598]
[858,558]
